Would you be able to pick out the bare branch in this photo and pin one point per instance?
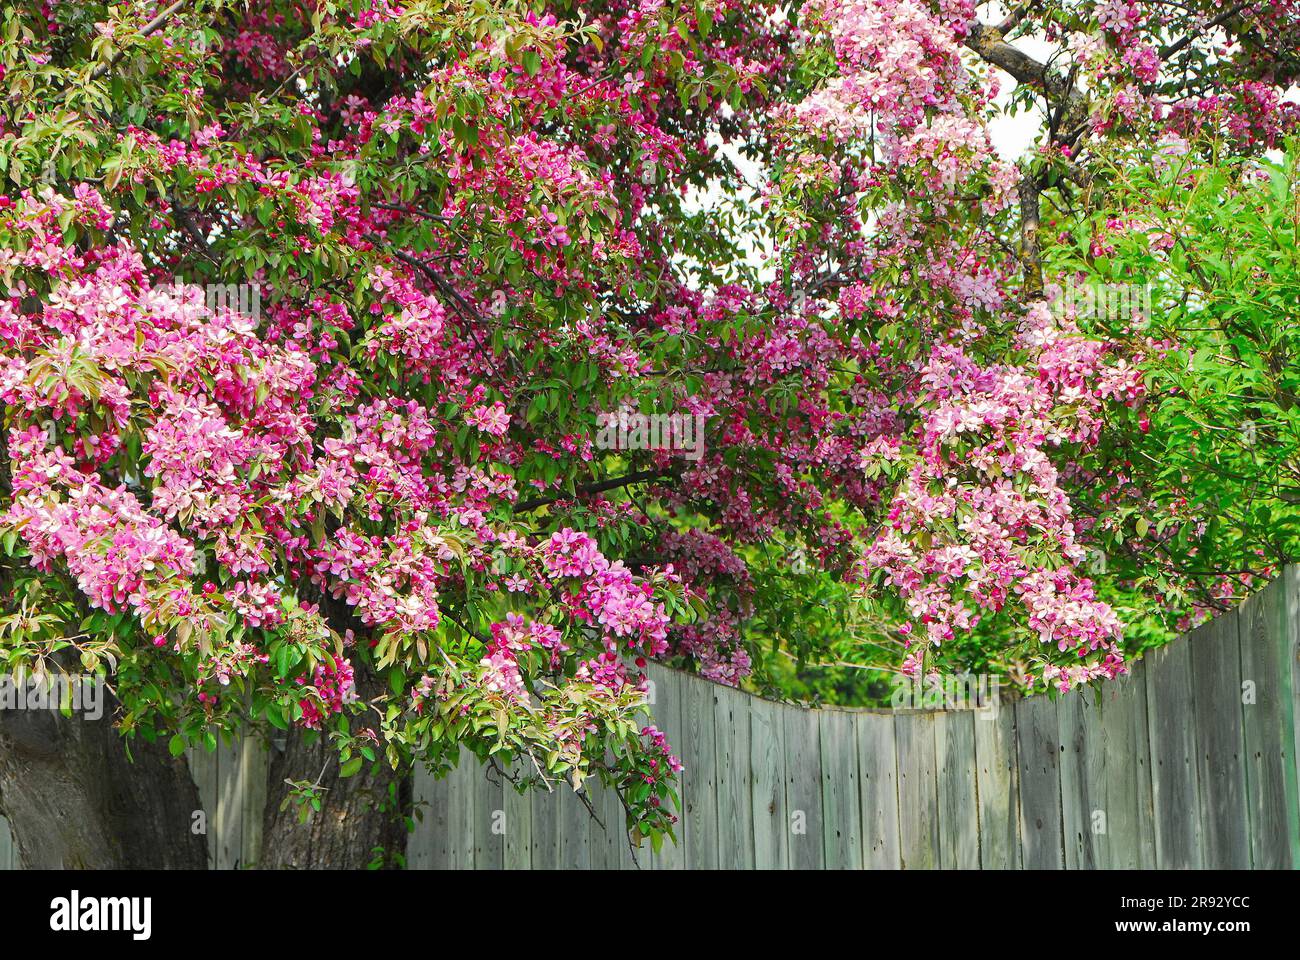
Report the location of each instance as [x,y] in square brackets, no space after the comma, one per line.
[641,476]
[1173,48]
[989,43]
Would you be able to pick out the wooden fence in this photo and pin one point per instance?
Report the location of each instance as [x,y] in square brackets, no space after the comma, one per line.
[1188,762]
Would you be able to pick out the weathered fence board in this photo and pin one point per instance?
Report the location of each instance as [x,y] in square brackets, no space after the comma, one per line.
[544,838]
[575,836]
[489,825]
[954,750]
[702,797]
[463,812]
[255,762]
[1267,703]
[841,803]
[204,770]
[1129,810]
[735,789]
[1220,761]
[803,789]
[1174,786]
[428,828]
[767,763]
[519,824]
[668,707]
[1289,651]
[918,791]
[1039,746]
[878,780]
[8,849]
[1083,776]
[231,782]
[610,846]
[997,780]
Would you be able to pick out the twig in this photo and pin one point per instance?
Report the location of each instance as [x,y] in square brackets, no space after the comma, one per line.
[147,29]
[614,483]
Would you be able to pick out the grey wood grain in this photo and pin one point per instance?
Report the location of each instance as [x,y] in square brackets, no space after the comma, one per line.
[1039,755]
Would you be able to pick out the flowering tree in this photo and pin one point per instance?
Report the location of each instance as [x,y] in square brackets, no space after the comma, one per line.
[340,336]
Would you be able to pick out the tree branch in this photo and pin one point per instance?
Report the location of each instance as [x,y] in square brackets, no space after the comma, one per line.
[1030,252]
[1173,48]
[147,29]
[990,43]
[640,476]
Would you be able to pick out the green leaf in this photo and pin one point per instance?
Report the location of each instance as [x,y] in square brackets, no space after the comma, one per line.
[351,767]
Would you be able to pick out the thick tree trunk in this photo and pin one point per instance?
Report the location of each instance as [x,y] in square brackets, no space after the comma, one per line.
[77,795]
[360,822]
[362,819]
[74,798]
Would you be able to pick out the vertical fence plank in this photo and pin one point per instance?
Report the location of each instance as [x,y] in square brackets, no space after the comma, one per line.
[574,828]
[667,709]
[490,826]
[735,791]
[767,763]
[255,761]
[954,750]
[1289,642]
[998,785]
[460,821]
[698,705]
[445,818]
[1220,744]
[442,797]
[878,784]
[1039,751]
[803,789]
[1083,781]
[1267,702]
[8,849]
[610,846]
[203,770]
[545,835]
[1130,806]
[429,814]
[841,792]
[918,791]
[230,804]
[1174,786]
[518,809]
[598,845]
